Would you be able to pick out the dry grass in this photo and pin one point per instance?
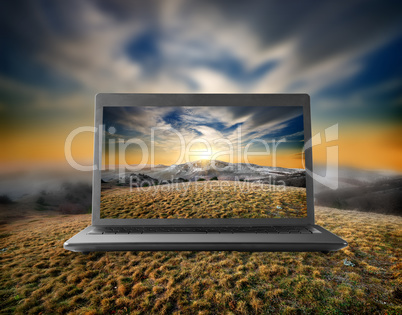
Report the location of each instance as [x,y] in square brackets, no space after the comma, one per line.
[39,276]
[215,199]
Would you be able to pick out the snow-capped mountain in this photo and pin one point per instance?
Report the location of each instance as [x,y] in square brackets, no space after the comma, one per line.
[214,169]
[222,170]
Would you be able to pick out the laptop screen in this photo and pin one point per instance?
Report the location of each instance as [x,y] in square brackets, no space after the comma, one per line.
[203,162]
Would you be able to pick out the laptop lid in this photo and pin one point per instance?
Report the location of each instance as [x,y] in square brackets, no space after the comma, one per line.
[202,159]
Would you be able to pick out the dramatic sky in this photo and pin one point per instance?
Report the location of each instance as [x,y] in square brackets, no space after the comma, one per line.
[56,55]
[271,136]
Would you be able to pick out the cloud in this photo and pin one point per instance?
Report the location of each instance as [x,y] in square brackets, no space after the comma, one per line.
[208,132]
[208,46]
[251,118]
[178,127]
[139,119]
[91,47]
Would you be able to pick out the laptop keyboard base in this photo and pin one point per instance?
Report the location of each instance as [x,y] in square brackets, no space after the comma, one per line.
[205,230]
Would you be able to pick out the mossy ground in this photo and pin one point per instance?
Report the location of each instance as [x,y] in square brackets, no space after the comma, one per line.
[212,199]
[39,276]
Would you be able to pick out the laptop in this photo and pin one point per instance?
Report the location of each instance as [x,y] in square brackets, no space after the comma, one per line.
[203,172]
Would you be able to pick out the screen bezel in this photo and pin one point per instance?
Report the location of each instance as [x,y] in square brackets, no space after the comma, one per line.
[176,100]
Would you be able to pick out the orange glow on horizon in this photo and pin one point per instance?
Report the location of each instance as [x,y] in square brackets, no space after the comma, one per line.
[364,147]
[284,159]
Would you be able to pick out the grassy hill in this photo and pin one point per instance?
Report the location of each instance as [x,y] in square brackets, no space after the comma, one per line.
[39,276]
[212,199]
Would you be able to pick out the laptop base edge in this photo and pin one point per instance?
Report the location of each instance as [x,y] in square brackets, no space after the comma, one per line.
[323,242]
